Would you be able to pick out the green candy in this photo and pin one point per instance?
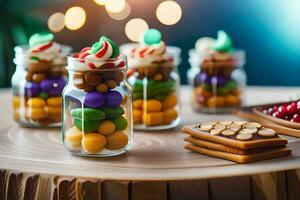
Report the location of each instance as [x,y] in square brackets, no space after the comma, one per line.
[151,37]
[86,125]
[206,86]
[227,88]
[120,123]
[87,113]
[43,95]
[223,43]
[112,112]
[39,38]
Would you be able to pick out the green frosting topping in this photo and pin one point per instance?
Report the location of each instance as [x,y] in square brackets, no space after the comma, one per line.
[40,38]
[223,42]
[98,45]
[151,37]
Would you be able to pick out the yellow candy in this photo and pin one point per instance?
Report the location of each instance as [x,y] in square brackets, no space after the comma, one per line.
[102,87]
[54,101]
[16,102]
[137,116]
[36,102]
[153,119]
[170,102]
[116,141]
[152,106]
[137,104]
[73,137]
[36,113]
[52,110]
[16,114]
[111,84]
[170,115]
[106,127]
[93,142]
[216,101]
[232,100]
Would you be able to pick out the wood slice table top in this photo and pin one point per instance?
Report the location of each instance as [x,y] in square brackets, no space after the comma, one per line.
[153,156]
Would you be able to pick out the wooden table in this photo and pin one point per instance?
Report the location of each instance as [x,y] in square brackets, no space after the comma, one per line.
[35,165]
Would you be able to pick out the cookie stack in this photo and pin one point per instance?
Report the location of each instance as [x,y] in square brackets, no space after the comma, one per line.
[238,141]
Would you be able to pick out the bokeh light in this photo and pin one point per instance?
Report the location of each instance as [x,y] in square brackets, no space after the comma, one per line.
[123,14]
[134,28]
[115,6]
[101,2]
[56,22]
[75,18]
[168,12]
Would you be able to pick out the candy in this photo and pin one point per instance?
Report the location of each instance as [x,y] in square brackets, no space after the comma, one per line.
[169,102]
[152,106]
[227,88]
[54,101]
[106,127]
[151,36]
[137,116]
[111,84]
[78,80]
[94,100]
[218,80]
[93,142]
[232,100]
[153,119]
[87,125]
[54,110]
[40,38]
[117,140]
[115,47]
[223,43]
[112,112]
[36,103]
[32,89]
[113,98]
[53,87]
[215,101]
[119,77]
[102,88]
[43,95]
[87,113]
[28,76]
[137,104]
[201,78]
[158,77]
[93,78]
[38,77]
[170,115]
[16,102]
[120,123]
[36,113]
[73,137]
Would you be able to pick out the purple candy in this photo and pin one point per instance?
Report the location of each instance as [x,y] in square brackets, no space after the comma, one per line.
[94,100]
[201,78]
[32,89]
[113,98]
[218,80]
[53,87]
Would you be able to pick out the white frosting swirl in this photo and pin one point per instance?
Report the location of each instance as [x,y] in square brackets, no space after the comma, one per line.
[50,51]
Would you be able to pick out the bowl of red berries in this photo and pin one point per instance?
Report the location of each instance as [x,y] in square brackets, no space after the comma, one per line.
[285,113]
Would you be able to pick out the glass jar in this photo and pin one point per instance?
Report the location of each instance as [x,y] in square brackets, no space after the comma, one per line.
[97,110]
[156,92]
[37,89]
[218,82]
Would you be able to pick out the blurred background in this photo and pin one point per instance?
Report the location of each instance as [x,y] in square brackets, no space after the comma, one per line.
[269,31]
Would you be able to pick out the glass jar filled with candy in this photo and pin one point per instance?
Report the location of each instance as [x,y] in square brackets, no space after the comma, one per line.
[221,79]
[155,82]
[38,81]
[97,102]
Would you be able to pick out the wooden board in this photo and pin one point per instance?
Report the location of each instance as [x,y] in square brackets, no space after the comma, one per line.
[154,155]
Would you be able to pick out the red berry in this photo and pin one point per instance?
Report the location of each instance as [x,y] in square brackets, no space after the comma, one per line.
[292,108]
[296,120]
[296,116]
[275,108]
[282,109]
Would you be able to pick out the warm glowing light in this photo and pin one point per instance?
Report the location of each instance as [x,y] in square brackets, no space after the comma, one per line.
[121,15]
[101,2]
[168,12]
[56,22]
[134,28]
[75,18]
[115,6]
